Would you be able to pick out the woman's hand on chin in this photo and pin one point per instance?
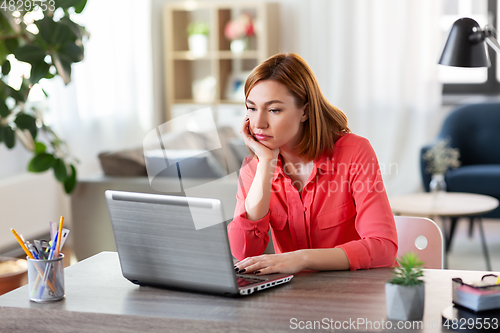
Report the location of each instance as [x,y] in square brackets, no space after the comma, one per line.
[262,152]
[285,263]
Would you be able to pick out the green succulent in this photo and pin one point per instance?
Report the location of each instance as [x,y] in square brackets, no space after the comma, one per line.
[409,272]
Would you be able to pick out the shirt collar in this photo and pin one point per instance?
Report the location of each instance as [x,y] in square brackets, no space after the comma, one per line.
[324,162]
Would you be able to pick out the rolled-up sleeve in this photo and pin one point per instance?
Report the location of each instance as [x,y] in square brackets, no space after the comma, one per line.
[378,243]
[247,238]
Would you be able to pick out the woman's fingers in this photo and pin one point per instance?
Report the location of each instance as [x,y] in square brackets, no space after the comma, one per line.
[262,264]
[257,148]
[288,263]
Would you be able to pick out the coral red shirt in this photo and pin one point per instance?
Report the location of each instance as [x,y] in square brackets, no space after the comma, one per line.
[344,204]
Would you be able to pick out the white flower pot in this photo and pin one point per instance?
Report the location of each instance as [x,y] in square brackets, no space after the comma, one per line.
[239,45]
[405,303]
[198,45]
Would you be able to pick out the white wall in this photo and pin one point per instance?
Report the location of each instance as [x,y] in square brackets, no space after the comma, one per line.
[28,203]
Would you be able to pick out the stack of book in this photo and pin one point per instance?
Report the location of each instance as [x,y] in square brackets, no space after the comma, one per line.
[480,296]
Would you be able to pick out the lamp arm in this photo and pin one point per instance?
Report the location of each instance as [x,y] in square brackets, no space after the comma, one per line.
[493,42]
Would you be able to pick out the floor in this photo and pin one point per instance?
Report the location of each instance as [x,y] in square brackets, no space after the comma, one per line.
[467,253]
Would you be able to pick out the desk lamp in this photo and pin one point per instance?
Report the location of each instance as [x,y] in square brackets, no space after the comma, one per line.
[466,46]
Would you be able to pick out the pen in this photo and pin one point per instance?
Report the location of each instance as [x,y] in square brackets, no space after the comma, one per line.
[48,266]
[33,250]
[59,233]
[53,247]
[28,253]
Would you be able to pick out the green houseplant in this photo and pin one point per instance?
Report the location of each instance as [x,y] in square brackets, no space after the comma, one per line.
[42,35]
[198,38]
[405,292]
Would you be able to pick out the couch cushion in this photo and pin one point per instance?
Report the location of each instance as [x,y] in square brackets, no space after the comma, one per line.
[192,163]
[128,163]
[480,179]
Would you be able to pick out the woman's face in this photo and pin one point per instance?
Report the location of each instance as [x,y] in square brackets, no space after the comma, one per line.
[275,119]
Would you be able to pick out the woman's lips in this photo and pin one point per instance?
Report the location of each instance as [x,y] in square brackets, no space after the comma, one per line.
[262,137]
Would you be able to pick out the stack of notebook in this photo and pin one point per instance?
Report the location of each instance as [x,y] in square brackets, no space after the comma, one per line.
[480,296]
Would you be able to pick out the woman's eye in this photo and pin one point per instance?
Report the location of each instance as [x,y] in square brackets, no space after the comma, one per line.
[250,109]
[274,110]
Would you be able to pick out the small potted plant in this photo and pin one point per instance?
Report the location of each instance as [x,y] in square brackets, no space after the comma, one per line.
[405,292]
[198,38]
[440,158]
[238,31]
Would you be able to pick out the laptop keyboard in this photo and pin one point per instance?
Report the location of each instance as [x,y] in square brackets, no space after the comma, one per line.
[245,280]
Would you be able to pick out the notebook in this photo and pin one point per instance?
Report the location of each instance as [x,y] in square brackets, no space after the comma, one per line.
[158,245]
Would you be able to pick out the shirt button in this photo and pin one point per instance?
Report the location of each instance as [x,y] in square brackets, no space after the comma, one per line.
[305,209]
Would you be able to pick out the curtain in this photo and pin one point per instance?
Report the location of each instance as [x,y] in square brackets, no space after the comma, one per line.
[109,104]
[377,61]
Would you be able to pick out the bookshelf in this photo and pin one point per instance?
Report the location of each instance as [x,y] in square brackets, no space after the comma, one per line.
[210,78]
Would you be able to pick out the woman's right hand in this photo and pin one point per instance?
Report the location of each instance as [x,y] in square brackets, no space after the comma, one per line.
[262,152]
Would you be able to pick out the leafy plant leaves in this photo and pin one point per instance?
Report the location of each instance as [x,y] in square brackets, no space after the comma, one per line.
[4,110]
[39,70]
[70,183]
[34,54]
[40,148]
[69,3]
[63,66]
[25,121]
[30,53]
[73,52]
[60,171]
[80,6]
[18,95]
[6,67]
[9,137]
[41,162]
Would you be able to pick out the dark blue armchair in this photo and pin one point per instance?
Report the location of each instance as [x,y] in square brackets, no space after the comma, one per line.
[475,130]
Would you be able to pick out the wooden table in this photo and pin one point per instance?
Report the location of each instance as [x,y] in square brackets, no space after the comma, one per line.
[447,204]
[99,299]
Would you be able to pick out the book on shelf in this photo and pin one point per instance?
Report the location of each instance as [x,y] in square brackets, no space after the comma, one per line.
[478,296]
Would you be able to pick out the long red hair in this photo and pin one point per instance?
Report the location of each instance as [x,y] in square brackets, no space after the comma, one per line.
[325,123]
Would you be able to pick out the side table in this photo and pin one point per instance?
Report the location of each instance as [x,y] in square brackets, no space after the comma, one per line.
[447,205]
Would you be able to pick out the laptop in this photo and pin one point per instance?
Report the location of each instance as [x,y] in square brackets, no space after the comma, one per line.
[158,245]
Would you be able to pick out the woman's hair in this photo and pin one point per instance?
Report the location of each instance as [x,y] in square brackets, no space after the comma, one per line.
[325,122]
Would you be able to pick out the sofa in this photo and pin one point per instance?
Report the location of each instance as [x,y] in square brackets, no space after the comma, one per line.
[203,173]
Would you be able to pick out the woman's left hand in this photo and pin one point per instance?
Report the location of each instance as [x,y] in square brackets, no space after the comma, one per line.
[286,263]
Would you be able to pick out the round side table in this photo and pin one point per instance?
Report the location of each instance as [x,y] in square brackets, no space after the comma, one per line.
[446,205]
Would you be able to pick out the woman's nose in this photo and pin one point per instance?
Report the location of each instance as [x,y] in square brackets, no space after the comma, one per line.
[260,120]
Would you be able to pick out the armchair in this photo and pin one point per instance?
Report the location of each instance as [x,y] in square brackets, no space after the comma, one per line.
[475,130]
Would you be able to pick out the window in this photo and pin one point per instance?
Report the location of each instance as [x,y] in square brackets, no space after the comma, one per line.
[470,80]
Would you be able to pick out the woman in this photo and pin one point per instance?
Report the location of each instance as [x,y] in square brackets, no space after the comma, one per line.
[316,184]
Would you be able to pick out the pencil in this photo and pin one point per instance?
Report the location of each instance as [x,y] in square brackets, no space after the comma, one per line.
[58,244]
[28,253]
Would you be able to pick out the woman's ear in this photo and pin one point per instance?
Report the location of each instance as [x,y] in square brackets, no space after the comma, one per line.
[305,112]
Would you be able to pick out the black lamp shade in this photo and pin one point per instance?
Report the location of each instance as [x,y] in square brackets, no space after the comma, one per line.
[463,51]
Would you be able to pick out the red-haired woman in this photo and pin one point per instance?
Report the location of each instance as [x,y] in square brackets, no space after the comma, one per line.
[317,185]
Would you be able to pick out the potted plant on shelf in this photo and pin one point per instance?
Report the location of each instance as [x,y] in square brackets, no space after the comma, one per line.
[198,38]
[441,157]
[30,34]
[238,31]
[405,292]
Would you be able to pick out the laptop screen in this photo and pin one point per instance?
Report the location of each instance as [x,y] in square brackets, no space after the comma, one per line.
[158,243]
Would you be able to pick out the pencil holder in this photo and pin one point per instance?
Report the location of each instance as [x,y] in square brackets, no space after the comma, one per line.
[46,279]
